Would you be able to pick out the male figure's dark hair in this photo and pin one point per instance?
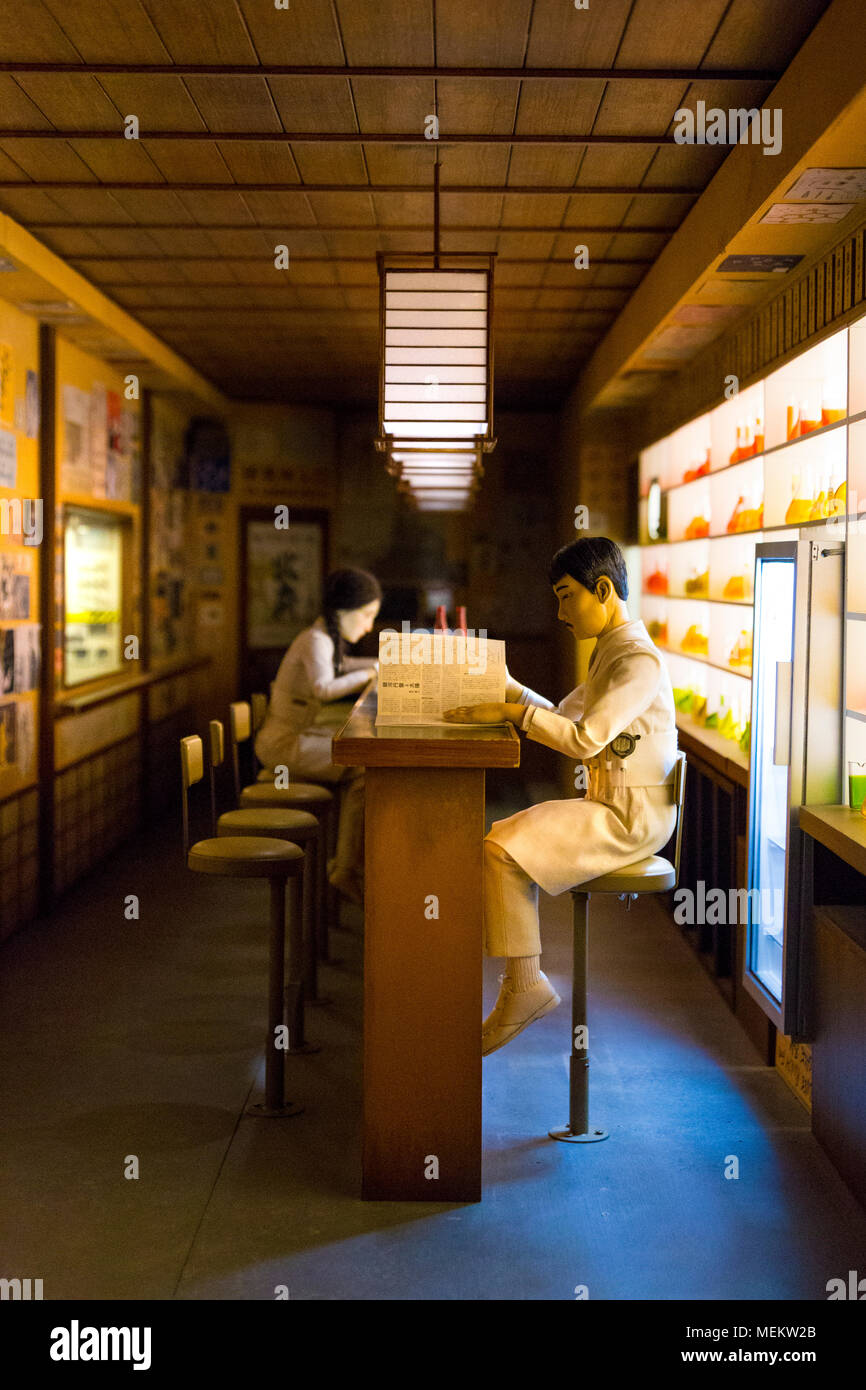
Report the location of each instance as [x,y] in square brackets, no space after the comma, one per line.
[587,559]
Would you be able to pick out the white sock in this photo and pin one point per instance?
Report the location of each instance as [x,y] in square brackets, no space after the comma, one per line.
[523,972]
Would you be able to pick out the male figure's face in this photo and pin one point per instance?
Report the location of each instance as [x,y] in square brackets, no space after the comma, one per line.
[584,613]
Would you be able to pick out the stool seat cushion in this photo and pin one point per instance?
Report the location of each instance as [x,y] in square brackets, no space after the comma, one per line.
[302,794]
[652,875]
[269,820]
[242,856]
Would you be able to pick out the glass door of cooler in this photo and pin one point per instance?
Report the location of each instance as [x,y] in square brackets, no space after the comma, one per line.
[778,697]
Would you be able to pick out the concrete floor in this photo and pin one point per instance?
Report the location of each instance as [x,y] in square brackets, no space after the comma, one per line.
[144,1038]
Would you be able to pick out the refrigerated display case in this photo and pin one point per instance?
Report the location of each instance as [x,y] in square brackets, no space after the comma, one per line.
[796,757]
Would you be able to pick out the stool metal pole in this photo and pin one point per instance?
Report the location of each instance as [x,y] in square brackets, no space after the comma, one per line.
[301,932]
[329,893]
[333,896]
[578,1130]
[318,849]
[275,1103]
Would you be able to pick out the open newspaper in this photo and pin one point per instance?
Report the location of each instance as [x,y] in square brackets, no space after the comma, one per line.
[423,673]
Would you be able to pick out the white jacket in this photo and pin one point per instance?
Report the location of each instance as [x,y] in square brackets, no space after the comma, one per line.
[629,811]
[304,682]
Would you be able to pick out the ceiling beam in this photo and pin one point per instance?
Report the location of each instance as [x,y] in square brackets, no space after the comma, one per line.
[598,190]
[161,257]
[186,186]
[305,285]
[349,137]
[320,312]
[299,227]
[325,70]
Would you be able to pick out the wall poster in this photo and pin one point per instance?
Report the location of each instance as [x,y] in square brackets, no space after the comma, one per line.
[284,572]
[93,567]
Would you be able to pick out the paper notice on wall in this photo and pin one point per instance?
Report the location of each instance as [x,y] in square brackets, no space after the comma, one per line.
[31,405]
[98,426]
[26,657]
[7,734]
[25,736]
[8,459]
[14,586]
[76,472]
[114,477]
[421,674]
[210,614]
[7,405]
[7,660]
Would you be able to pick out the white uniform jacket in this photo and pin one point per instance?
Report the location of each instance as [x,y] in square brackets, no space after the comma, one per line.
[629,810]
[304,682]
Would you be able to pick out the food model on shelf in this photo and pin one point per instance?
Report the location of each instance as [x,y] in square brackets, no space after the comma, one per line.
[775,456]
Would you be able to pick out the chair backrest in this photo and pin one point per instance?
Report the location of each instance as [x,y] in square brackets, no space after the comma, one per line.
[259,705]
[217,742]
[679,798]
[240,720]
[191,771]
[240,728]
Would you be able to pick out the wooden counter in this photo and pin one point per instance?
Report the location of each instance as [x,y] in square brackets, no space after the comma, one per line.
[424,825]
[840,830]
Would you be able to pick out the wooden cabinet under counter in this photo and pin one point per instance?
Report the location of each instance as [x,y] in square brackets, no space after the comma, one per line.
[839,1048]
[424,827]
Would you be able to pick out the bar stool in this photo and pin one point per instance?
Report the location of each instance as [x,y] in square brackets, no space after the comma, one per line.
[298,827]
[300,796]
[652,875]
[280,863]
[259,709]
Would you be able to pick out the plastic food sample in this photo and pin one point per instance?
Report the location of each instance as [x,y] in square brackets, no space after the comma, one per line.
[698,583]
[741,652]
[696,641]
[739,586]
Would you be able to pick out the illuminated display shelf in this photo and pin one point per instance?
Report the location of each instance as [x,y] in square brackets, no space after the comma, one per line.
[701,598]
[726,747]
[703,483]
[744,674]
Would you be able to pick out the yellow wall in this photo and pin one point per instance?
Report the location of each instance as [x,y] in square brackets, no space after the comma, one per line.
[78,369]
[19,347]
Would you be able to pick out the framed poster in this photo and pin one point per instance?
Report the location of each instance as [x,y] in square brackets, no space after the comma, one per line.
[283,572]
[93,568]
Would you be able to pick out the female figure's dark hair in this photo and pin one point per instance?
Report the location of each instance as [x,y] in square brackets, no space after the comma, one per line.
[346,589]
[587,559]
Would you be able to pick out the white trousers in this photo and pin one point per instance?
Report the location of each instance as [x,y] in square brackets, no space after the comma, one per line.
[510,906]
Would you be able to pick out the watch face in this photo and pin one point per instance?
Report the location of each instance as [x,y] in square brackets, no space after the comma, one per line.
[624,744]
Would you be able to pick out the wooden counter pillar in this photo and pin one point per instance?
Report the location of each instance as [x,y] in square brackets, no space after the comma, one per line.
[424,824]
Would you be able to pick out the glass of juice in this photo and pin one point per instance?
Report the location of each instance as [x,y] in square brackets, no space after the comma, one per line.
[856,785]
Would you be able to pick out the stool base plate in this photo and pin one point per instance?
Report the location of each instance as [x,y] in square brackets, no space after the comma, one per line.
[279,1112]
[593,1136]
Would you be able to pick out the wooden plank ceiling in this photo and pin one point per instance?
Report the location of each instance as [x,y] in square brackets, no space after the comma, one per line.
[305,126]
